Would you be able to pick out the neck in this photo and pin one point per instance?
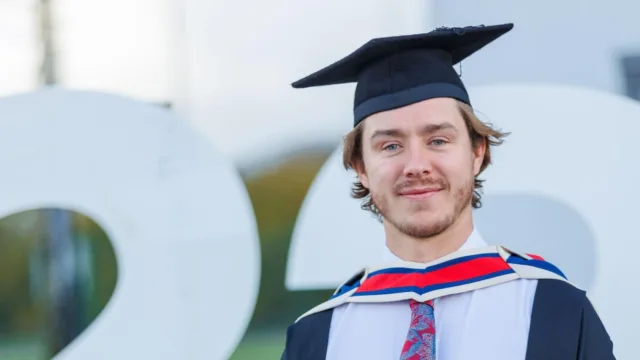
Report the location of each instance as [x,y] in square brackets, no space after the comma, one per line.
[426,250]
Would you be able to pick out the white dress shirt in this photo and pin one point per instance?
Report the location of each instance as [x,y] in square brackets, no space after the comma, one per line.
[490,323]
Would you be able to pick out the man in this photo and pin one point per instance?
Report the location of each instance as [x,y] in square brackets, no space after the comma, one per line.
[418,149]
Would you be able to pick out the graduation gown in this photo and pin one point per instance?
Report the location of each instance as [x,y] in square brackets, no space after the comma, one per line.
[564,325]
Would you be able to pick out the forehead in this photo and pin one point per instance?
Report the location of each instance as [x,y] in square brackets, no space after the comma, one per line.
[415,116]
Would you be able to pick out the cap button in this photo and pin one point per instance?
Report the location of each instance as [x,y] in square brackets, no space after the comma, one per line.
[459,31]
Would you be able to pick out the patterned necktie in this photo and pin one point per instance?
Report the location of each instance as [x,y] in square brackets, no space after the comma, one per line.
[421,338]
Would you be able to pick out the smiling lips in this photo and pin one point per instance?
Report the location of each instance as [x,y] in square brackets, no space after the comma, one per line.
[419,193]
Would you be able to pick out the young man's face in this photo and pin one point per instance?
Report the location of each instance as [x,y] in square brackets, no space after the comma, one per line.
[419,165]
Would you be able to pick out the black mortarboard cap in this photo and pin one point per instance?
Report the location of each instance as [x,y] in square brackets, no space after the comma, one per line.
[396,71]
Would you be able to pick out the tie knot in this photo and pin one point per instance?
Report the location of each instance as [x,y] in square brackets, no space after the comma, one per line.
[415,305]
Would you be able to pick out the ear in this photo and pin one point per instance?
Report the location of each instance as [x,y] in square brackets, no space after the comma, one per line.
[478,156]
[362,174]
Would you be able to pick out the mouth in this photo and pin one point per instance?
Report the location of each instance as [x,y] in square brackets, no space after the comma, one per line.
[419,194]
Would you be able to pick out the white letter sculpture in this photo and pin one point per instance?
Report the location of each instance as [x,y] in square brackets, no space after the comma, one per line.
[178,216]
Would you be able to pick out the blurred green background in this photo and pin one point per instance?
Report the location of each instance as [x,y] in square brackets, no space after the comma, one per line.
[52,286]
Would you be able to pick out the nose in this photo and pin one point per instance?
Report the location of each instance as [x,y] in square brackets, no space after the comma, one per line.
[418,163]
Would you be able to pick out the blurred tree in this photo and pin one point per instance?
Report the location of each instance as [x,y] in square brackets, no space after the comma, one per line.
[19,311]
[277,195]
[26,306]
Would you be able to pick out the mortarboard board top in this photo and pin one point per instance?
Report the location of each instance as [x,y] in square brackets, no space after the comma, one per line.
[397,71]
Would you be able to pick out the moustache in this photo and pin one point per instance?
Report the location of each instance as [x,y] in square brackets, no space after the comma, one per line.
[423,183]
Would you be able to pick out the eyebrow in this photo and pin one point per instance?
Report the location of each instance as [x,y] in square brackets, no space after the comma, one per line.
[427,130]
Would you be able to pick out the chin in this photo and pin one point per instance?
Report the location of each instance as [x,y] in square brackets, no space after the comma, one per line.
[423,228]
[421,217]
[427,217]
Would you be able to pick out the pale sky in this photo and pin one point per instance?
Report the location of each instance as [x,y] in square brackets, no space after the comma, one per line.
[18,57]
[226,65]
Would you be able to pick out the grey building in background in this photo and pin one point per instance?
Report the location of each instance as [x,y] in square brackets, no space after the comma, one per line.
[589,43]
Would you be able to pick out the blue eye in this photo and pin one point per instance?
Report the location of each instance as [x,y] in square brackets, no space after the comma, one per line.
[391,147]
[438,142]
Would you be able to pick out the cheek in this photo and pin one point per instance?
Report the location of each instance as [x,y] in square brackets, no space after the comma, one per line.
[384,174]
[455,169]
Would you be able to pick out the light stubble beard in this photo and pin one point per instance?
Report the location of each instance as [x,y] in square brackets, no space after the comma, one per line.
[462,199]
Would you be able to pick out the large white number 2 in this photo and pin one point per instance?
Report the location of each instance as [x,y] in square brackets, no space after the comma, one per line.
[178,216]
[565,184]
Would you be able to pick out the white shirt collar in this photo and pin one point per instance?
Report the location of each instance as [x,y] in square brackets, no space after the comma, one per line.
[474,240]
